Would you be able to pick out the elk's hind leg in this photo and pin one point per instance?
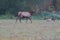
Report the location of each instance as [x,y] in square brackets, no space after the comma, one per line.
[17,19]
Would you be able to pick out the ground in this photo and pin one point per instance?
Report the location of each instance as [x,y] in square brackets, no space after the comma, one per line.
[37,30]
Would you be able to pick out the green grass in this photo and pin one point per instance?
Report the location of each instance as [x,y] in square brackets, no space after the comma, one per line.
[40,16]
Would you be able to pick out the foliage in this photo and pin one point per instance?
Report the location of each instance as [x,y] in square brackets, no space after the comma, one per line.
[10,8]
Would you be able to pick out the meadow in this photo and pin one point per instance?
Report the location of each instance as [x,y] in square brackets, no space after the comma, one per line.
[37,30]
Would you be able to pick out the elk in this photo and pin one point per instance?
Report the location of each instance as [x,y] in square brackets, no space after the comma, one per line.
[24,14]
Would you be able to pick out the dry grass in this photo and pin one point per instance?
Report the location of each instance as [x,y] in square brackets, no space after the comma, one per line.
[38,30]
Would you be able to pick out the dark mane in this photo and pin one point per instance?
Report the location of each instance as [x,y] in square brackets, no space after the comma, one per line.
[31,12]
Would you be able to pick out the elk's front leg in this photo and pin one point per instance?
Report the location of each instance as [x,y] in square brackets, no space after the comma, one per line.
[30,19]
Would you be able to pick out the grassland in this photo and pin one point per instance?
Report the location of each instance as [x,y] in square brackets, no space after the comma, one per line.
[37,30]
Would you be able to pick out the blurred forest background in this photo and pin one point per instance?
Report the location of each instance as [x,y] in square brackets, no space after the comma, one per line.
[43,8]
